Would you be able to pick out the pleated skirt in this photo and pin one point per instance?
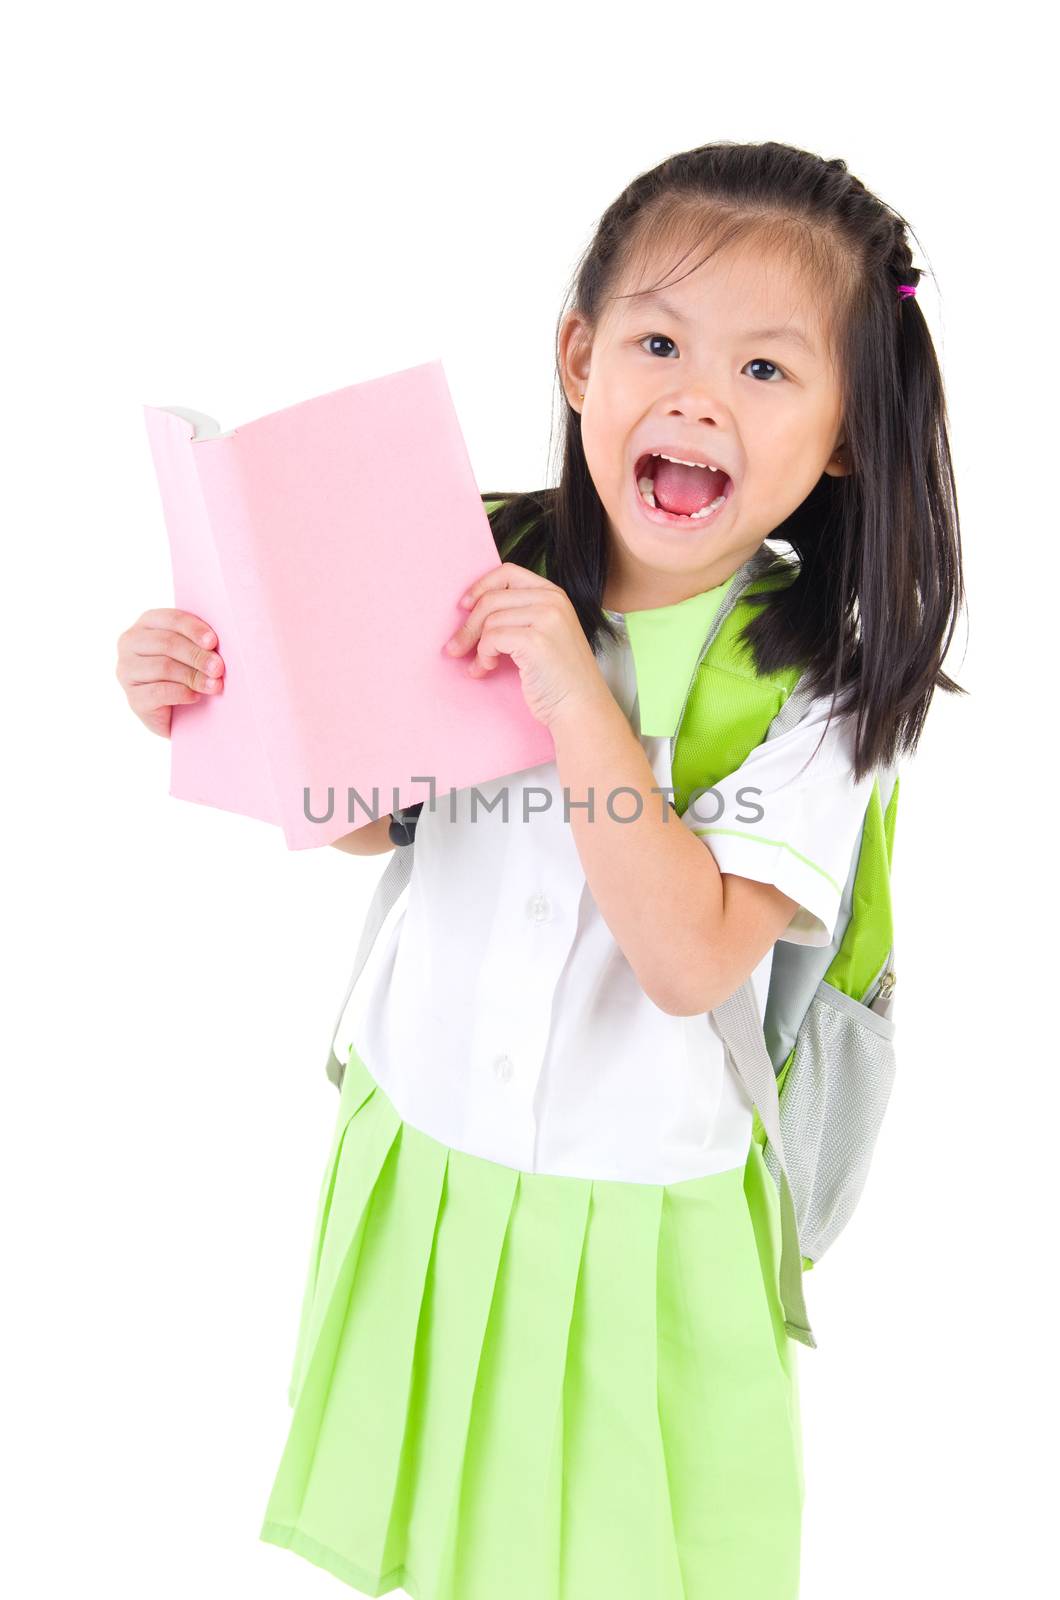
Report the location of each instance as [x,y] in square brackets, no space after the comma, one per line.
[511,1385]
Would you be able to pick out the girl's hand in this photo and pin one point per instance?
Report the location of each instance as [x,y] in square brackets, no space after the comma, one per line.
[516,612]
[166,659]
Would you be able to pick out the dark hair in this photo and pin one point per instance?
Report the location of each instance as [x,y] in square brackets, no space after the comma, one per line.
[872,611]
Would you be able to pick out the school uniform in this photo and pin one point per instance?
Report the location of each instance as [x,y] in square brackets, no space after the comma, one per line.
[542,1351]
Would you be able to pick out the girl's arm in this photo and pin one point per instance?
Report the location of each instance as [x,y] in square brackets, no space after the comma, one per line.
[690,933]
[370,840]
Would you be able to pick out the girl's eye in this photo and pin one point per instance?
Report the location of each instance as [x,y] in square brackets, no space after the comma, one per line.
[762,362]
[664,337]
[757,362]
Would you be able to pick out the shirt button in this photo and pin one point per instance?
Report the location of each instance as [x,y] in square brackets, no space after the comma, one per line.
[503,1068]
[538,908]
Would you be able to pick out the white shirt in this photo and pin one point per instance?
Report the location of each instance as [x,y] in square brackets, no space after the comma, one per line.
[499,1014]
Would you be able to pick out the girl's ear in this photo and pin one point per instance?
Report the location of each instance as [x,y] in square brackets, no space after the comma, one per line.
[573,348]
[838,464]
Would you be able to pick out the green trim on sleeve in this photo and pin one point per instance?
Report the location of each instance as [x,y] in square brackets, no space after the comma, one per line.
[779,844]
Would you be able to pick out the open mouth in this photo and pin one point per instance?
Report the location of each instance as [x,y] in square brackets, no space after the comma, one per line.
[679,492]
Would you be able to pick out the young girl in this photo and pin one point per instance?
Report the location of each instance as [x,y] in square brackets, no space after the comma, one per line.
[542,1351]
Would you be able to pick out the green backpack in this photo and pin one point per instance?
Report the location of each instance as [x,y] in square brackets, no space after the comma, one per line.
[818,1067]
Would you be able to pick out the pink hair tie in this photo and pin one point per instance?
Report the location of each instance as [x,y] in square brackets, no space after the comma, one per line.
[906,289]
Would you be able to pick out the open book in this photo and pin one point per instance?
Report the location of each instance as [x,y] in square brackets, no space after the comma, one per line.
[327,545]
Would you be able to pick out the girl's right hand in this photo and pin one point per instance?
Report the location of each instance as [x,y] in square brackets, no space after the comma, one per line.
[165,659]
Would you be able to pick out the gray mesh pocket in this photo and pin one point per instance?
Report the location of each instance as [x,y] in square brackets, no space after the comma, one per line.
[831,1106]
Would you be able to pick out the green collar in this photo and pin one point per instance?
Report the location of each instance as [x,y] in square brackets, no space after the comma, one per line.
[665,642]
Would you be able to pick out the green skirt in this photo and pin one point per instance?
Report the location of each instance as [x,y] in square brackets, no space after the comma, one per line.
[542,1387]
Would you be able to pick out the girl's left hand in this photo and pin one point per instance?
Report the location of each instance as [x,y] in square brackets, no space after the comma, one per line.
[518,613]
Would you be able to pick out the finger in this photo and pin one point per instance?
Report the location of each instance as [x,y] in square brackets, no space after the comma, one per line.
[509,575]
[185,622]
[500,638]
[141,670]
[488,605]
[146,643]
[148,697]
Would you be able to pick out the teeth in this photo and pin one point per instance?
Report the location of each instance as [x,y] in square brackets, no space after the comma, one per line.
[683,463]
[714,504]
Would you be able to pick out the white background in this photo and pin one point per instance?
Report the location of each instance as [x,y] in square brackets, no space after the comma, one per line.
[236,207]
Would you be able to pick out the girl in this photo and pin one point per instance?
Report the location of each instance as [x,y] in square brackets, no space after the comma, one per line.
[542,1350]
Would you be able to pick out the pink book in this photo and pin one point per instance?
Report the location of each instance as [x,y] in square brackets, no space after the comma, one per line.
[327,545]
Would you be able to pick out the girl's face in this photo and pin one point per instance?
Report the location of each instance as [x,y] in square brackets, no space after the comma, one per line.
[695,372]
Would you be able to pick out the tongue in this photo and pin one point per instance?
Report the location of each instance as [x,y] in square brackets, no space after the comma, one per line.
[682,490]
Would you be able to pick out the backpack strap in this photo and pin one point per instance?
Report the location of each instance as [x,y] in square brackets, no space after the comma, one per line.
[730,705]
[740,1024]
[793,710]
